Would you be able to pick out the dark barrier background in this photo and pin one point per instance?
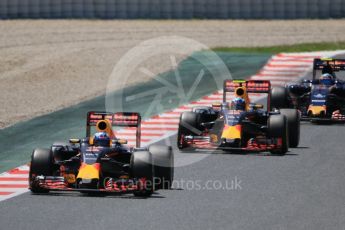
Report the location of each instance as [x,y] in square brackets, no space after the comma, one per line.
[127,9]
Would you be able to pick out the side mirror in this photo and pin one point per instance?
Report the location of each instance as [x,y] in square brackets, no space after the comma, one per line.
[208,125]
[74,141]
[306,81]
[258,106]
[217,106]
[120,141]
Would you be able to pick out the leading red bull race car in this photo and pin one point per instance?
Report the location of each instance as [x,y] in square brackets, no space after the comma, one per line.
[240,125]
[102,162]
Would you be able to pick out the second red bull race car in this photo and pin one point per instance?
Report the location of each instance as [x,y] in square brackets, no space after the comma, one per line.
[240,125]
[102,162]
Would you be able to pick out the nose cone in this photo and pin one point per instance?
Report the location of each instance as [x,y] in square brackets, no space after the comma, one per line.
[231,132]
[317,110]
[88,172]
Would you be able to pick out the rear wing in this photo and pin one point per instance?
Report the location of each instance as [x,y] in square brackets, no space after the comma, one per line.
[328,65]
[123,119]
[251,86]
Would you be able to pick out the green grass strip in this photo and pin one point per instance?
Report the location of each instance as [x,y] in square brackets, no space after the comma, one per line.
[305,47]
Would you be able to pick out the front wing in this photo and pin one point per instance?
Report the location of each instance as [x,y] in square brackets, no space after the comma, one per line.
[335,118]
[254,145]
[57,183]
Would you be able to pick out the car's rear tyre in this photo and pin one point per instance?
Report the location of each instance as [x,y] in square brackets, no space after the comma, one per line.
[279,97]
[205,113]
[142,169]
[188,125]
[63,151]
[163,159]
[277,128]
[41,165]
[293,120]
[200,108]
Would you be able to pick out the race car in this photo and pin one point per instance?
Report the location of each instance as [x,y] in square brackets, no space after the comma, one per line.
[321,99]
[103,162]
[240,125]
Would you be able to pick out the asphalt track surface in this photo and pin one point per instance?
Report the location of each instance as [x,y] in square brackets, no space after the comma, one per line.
[301,190]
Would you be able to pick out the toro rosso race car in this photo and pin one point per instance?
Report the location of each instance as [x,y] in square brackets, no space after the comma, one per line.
[102,162]
[240,125]
[319,99]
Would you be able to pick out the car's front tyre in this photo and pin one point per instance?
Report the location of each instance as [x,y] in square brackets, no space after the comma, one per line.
[41,165]
[142,169]
[278,128]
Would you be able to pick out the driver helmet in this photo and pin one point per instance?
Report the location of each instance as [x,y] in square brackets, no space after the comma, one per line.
[238,104]
[326,79]
[101,139]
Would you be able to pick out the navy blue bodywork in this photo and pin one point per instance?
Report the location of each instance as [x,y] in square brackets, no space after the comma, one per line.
[308,93]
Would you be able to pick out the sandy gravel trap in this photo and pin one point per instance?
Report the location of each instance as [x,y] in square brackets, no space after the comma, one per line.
[48,65]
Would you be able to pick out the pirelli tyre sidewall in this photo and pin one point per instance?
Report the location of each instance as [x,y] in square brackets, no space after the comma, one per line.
[163,159]
[293,120]
[141,166]
[278,128]
[41,165]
